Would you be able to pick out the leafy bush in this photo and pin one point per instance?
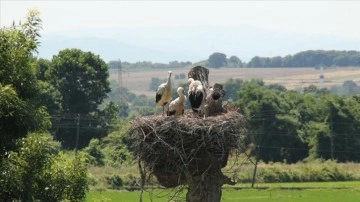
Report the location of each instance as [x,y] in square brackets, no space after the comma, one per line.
[317,171]
[326,171]
[114,181]
[130,180]
[96,156]
[37,171]
[116,146]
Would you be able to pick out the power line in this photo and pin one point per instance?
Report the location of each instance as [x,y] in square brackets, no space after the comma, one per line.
[305,149]
[295,135]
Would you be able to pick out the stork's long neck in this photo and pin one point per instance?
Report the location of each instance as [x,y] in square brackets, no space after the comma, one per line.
[168,80]
[181,96]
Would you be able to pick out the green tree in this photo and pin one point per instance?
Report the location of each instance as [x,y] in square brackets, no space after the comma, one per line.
[274,124]
[17,45]
[217,60]
[17,118]
[82,79]
[109,114]
[344,121]
[256,62]
[48,96]
[19,113]
[318,139]
[231,87]
[234,61]
[42,65]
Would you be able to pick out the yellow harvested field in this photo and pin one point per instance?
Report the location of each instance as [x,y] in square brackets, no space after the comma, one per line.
[291,78]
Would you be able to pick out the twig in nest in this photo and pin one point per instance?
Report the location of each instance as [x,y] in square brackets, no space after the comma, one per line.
[177,149]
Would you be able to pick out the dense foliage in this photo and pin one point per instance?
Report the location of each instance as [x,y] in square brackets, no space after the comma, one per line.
[288,126]
[19,88]
[81,77]
[37,170]
[77,84]
[112,150]
[32,166]
[217,60]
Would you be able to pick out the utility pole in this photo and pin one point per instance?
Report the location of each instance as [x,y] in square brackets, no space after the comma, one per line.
[331,137]
[257,153]
[120,74]
[321,77]
[77,132]
[256,163]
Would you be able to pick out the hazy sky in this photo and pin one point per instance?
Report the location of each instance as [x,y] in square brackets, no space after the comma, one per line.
[310,17]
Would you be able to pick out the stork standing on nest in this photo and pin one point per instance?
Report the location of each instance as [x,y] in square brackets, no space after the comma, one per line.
[163,93]
[214,99]
[176,107]
[196,95]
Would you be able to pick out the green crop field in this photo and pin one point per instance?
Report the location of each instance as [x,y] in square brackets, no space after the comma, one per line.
[277,192]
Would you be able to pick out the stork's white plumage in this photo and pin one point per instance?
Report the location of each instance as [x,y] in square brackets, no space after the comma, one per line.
[163,93]
[176,107]
[196,95]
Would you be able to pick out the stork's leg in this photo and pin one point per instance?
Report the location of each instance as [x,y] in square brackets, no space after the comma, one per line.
[167,107]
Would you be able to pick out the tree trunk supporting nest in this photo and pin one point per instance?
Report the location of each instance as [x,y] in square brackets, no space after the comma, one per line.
[207,187]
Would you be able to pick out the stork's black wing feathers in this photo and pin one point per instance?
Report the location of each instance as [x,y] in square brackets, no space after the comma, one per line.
[158,97]
[195,99]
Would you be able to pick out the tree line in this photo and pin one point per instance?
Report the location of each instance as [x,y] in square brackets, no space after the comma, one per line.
[309,58]
[128,66]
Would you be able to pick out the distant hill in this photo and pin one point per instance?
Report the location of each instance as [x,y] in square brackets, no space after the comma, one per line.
[191,43]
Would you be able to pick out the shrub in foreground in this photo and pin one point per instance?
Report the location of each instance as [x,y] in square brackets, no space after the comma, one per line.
[37,171]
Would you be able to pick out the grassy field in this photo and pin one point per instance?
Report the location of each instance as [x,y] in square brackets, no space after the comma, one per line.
[277,192]
[292,78]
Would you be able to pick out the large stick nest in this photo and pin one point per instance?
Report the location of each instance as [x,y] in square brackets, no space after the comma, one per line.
[175,149]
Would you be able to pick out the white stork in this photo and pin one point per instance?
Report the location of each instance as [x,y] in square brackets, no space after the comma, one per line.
[196,95]
[176,107]
[163,93]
